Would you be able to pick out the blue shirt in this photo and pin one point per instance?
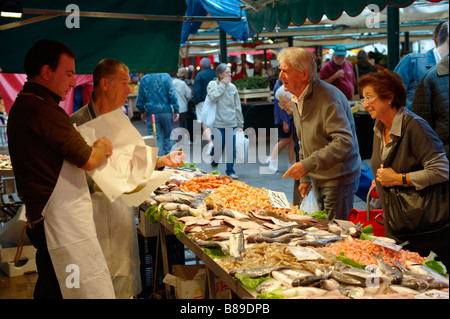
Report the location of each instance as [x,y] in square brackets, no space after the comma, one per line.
[201,84]
[412,68]
[157,94]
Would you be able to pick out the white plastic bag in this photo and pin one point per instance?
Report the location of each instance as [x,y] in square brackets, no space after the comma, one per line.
[241,147]
[309,204]
[208,113]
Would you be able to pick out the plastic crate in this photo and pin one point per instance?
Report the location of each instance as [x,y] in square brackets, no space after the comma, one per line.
[147,256]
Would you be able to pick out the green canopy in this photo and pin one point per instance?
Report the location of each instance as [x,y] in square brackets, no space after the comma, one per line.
[283,12]
[128,33]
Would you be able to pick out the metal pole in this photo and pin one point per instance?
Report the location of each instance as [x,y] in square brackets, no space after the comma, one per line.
[223,46]
[393,21]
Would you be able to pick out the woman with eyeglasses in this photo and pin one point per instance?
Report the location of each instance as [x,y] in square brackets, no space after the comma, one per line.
[419,162]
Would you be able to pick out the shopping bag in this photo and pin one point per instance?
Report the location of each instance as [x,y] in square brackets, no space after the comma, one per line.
[309,204]
[241,147]
[365,181]
[208,116]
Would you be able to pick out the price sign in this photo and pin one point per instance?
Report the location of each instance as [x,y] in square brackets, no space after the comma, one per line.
[278,199]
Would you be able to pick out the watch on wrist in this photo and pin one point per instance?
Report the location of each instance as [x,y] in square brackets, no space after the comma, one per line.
[405,183]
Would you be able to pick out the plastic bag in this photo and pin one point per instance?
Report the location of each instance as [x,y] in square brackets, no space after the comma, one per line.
[208,112]
[241,147]
[309,204]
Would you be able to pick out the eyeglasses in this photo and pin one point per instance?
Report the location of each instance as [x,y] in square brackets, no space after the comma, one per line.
[368,99]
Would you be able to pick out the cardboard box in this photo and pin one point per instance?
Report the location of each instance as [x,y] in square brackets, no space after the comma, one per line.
[22,267]
[146,228]
[190,280]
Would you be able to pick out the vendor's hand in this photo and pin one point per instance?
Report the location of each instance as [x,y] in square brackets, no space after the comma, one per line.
[304,188]
[239,129]
[176,116]
[388,177]
[105,145]
[143,118]
[173,159]
[296,171]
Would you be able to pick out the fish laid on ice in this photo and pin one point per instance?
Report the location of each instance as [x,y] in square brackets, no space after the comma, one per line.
[237,243]
[434,281]
[422,269]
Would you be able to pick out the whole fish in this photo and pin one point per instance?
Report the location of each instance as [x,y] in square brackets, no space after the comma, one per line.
[434,282]
[212,244]
[255,272]
[352,291]
[318,242]
[393,274]
[306,281]
[285,279]
[237,243]
[347,280]
[267,286]
[422,269]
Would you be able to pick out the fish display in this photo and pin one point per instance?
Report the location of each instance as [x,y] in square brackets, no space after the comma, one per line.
[256,240]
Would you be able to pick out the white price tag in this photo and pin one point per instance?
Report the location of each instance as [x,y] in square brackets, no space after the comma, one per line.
[432,294]
[387,244]
[278,199]
[305,253]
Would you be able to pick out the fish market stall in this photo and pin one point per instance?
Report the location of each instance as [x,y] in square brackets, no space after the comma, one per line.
[266,250]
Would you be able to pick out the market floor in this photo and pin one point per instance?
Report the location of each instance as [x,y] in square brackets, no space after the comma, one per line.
[254,174]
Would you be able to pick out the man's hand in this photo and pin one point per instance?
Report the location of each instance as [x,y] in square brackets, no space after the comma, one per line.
[304,188]
[173,159]
[143,118]
[176,116]
[296,171]
[101,150]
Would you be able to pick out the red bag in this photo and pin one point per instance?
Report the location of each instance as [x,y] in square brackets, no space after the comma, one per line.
[372,217]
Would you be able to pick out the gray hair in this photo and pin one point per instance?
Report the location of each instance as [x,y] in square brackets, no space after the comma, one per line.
[301,60]
[281,92]
[221,68]
[443,33]
[205,63]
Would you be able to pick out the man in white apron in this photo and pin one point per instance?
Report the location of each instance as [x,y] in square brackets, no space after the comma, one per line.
[49,158]
[114,221]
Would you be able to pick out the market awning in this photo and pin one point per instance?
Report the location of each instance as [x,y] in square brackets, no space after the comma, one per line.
[214,8]
[130,31]
[268,13]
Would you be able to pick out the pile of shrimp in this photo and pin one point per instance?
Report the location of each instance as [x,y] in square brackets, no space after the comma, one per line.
[205,182]
[362,252]
[242,197]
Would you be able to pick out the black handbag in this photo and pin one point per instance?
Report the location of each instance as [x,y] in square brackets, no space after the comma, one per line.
[409,212]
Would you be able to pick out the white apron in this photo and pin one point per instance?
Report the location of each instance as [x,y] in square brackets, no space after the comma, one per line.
[72,242]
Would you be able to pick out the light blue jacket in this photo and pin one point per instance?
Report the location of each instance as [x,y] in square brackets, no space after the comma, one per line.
[157,94]
[412,68]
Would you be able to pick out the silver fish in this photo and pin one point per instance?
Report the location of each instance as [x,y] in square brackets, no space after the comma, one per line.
[393,274]
[255,272]
[213,243]
[285,279]
[267,286]
[237,243]
[352,291]
[422,269]
[434,282]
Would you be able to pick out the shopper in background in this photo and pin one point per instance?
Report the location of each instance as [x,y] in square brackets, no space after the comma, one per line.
[184,95]
[339,72]
[282,122]
[157,96]
[329,153]
[419,162]
[362,66]
[242,68]
[229,118]
[413,66]
[49,157]
[202,80]
[431,99]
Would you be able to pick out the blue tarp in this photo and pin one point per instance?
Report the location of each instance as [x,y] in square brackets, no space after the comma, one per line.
[215,8]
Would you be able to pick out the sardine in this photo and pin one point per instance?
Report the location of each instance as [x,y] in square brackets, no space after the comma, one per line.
[237,243]
[434,282]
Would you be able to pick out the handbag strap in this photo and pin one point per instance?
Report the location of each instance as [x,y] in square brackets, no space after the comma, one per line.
[387,162]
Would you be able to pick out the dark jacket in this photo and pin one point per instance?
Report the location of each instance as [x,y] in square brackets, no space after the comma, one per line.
[431,100]
[201,84]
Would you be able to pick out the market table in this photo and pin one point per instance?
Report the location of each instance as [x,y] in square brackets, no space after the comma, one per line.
[211,267]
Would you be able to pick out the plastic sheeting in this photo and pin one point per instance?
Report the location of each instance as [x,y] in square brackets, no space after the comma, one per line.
[215,8]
